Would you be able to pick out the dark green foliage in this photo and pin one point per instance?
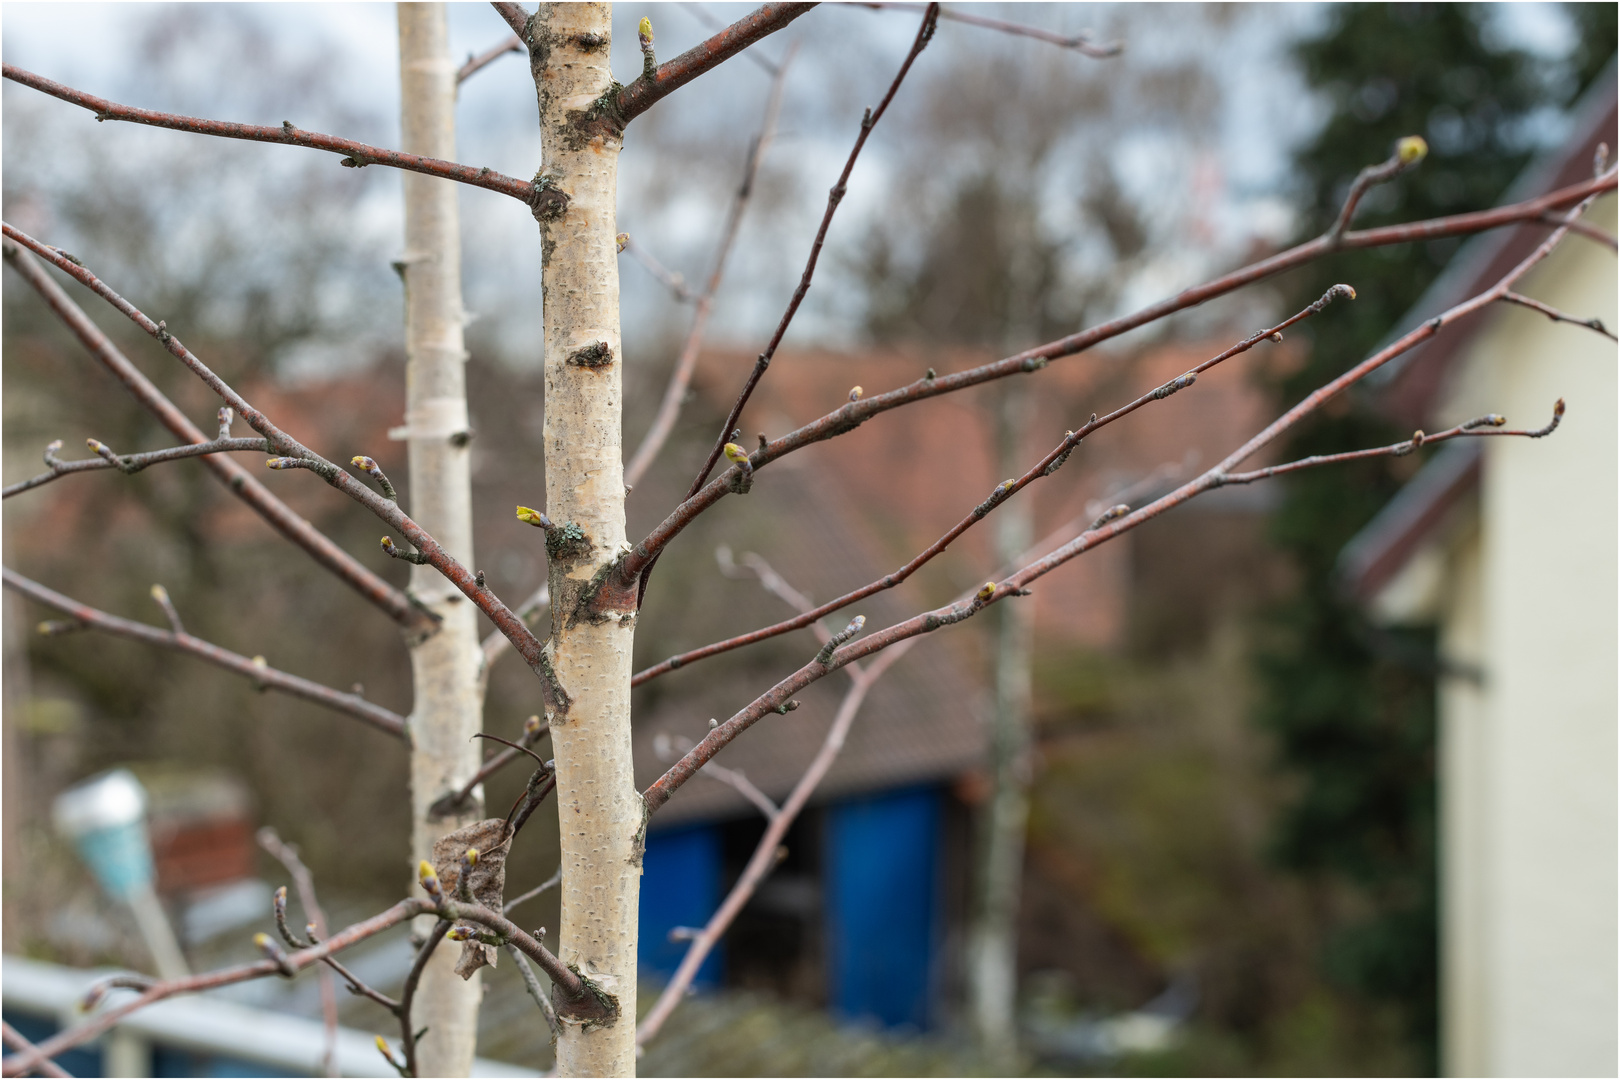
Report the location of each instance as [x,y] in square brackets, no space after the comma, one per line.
[1350,712]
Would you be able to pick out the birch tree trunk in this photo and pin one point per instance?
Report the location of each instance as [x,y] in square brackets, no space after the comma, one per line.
[993,957]
[444,666]
[593,626]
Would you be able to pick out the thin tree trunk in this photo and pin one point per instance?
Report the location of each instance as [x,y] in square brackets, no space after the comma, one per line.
[593,627]
[444,666]
[993,962]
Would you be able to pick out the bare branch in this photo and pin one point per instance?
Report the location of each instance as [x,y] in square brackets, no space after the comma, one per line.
[550,883]
[407,995]
[777,699]
[26,1062]
[261,674]
[668,278]
[14,1039]
[533,729]
[675,393]
[703,16]
[765,857]
[858,412]
[296,454]
[477,63]
[134,463]
[357,155]
[653,87]
[669,747]
[304,881]
[1046,466]
[643,567]
[835,196]
[1476,428]
[1585,228]
[531,983]
[1408,152]
[237,480]
[1555,315]
[515,15]
[1082,43]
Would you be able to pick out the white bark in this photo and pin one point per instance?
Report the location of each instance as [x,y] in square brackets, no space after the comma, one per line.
[601,811]
[993,948]
[445,666]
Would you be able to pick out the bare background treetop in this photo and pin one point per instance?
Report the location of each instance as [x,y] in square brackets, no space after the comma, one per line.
[1016,192]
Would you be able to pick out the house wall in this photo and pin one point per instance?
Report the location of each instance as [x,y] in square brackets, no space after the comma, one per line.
[1528,766]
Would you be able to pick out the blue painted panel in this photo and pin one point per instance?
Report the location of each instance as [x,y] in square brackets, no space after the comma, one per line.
[680,886]
[882,862]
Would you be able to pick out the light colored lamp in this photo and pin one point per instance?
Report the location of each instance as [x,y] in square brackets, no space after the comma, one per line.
[105,817]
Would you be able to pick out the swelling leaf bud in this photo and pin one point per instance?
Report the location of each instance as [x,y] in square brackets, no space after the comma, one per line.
[1411,150]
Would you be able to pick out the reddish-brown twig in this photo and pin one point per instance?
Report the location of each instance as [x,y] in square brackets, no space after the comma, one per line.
[297,455]
[276,513]
[256,669]
[1408,152]
[304,882]
[550,883]
[535,990]
[568,981]
[675,393]
[585,1000]
[645,92]
[133,463]
[644,566]
[855,413]
[1555,315]
[1046,466]
[668,278]
[407,994]
[356,155]
[532,731]
[835,196]
[14,1039]
[1119,520]
[24,1063]
[1476,428]
[477,63]
[515,15]
[780,819]
[497,644]
[1082,43]
[1585,228]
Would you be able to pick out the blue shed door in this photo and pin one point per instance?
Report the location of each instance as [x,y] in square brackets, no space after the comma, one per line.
[882,864]
[680,886]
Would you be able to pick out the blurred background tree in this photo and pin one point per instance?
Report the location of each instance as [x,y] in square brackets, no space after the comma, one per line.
[1351,709]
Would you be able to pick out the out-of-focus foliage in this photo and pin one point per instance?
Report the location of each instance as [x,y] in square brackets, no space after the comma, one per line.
[1350,712]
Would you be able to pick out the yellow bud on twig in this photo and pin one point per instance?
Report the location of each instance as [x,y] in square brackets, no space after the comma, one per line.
[645,29]
[1411,149]
[736,453]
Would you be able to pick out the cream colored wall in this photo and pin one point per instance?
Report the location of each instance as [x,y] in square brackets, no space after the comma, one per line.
[1528,767]
[1464,796]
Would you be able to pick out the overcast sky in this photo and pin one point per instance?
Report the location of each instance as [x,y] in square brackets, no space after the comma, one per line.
[847,58]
